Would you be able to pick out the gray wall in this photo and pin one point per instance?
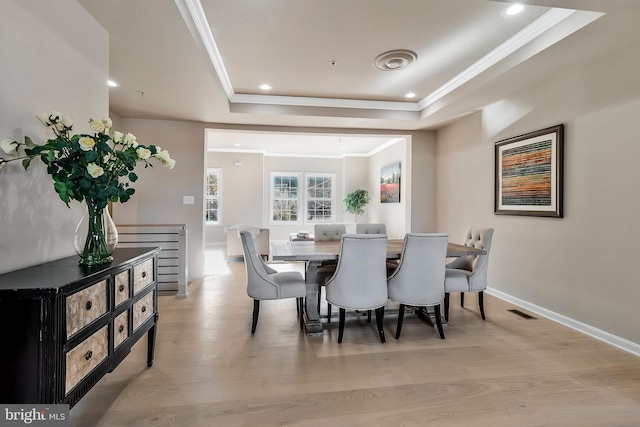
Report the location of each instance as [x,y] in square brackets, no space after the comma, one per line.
[577,266]
[159,191]
[54,57]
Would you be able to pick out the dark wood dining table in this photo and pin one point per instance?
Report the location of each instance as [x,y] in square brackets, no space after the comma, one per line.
[313,253]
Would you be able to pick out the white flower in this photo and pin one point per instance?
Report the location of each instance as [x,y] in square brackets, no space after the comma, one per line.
[163,155]
[9,146]
[107,122]
[130,140]
[67,122]
[170,163]
[2,162]
[86,143]
[143,153]
[117,136]
[44,118]
[166,160]
[59,126]
[54,116]
[96,126]
[94,170]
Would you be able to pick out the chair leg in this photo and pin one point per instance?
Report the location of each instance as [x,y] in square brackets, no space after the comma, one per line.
[328,313]
[461,299]
[300,305]
[481,303]
[439,321]
[400,320]
[319,297]
[446,306]
[379,321]
[368,316]
[256,310]
[341,326]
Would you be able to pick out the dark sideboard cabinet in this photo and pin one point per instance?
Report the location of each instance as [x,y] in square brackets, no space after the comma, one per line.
[64,326]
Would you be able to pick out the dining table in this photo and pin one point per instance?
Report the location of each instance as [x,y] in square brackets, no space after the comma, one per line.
[314,253]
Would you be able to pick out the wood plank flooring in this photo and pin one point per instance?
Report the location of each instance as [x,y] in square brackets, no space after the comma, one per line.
[506,371]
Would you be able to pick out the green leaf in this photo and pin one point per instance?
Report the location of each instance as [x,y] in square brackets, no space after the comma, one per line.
[133,177]
[26,162]
[29,142]
[90,156]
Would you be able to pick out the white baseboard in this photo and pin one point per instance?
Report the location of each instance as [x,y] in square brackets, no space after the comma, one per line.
[596,333]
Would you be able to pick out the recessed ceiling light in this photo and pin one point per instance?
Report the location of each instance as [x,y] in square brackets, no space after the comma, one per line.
[513,10]
[410,95]
[265,86]
[111,83]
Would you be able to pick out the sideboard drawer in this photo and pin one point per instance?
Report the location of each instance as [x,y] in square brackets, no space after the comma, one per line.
[120,329]
[142,310]
[142,275]
[121,290]
[85,357]
[85,306]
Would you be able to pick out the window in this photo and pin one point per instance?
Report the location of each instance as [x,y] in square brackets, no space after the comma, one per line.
[288,190]
[285,197]
[319,197]
[212,201]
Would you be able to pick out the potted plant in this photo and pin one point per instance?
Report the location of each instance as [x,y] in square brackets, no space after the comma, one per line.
[356,201]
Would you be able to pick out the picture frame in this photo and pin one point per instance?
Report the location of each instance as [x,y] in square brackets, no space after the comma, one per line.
[390,183]
[529,174]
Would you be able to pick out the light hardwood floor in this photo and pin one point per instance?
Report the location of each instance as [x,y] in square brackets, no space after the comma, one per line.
[506,371]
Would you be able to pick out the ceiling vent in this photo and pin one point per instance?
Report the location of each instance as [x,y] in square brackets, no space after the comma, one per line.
[393,60]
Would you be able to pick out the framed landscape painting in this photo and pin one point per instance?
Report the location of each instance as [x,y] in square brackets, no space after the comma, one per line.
[528,174]
[390,183]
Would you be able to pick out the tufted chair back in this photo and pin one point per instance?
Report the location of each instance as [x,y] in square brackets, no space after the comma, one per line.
[371,229]
[329,231]
[469,274]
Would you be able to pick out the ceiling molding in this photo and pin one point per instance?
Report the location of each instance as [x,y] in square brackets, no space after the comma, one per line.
[196,19]
[524,36]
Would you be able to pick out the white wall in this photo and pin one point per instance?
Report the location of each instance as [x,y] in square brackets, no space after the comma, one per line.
[396,216]
[578,266]
[242,203]
[242,192]
[54,56]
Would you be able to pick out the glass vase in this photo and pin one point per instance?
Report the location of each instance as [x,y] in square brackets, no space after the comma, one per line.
[96,236]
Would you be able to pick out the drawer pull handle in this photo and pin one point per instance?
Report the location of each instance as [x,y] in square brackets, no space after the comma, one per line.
[88,305]
[89,355]
[121,288]
[144,274]
[121,328]
[144,308]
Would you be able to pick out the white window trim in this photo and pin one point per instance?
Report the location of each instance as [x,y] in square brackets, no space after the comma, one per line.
[219,171]
[303,197]
[331,175]
[301,188]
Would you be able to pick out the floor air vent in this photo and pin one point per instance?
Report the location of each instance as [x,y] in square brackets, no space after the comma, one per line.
[521,314]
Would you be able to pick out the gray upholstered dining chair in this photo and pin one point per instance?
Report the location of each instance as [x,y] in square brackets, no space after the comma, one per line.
[469,273]
[360,280]
[371,228]
[265,283]
[326,232]
[419,279]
